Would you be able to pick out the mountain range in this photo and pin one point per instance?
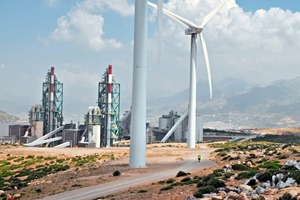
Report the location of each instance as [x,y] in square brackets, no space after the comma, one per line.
[239,104]
[5,117]
[236,103]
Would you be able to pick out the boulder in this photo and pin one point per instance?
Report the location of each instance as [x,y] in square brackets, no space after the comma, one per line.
[217,198]
[231,188]
[254,196]
[249,164]
[290,163]
[290,182]
[243,196]
[233,195]
[266,185]
[246,188]
[223,194]
[259,190]
[270,191]
[17,196]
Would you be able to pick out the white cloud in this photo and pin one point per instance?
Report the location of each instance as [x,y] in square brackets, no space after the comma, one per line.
[2,66]
[52,3]
[260,46]
[84,24]
[122,7]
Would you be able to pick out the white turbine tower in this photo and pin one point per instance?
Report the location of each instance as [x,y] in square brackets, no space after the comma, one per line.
[193,30]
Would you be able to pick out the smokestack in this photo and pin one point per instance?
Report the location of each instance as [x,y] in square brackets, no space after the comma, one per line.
[109,101]
[51,104]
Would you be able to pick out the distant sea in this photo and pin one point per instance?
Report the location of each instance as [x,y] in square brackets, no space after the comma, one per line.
[4,127]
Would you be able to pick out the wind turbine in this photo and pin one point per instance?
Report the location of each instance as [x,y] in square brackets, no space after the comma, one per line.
[193,30]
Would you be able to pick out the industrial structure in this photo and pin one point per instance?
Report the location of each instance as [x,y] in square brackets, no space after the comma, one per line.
[166,122]
[91,134]
[173,127]
[52,102]
[109,104]
[46,128]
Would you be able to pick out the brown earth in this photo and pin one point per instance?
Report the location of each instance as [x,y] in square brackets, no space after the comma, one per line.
[159,157]
[294,130]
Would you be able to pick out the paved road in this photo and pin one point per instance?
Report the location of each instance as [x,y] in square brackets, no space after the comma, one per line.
[189,164]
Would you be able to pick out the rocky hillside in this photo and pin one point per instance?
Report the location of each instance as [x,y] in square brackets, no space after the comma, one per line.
[239,104]
[5,117]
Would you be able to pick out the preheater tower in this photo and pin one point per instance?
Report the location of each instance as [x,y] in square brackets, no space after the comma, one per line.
[52,102]
[109,103]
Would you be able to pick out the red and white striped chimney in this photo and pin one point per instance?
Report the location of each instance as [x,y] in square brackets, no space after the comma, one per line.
[109,84]
[52,84]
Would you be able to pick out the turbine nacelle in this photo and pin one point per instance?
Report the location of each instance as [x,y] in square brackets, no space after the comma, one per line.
[193,30]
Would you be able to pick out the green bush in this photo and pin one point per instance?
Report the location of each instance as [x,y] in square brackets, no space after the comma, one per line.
[216,183]
[264,176]
[222,153]
[170,180]
[186,179]
[262,160]
[177,184]
[169,187]
[181,173]
[24,172]
[117,173]
[240,167]
[245,175]
[142,191]
[204,190]
[198,194]
[201,184]
[270,165]
[76,185]
[207,190]
[228,175]
[286,196]
[252,155]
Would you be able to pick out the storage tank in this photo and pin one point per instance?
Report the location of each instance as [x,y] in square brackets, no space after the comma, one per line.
[178,135]
[163,123]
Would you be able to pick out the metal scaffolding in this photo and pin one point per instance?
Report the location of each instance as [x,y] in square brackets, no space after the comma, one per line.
[52,102]
[36,114]
[109,103]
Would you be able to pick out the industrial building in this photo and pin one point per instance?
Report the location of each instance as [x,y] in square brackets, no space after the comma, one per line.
[102,124]
[173,127]
[165,123]
[46,127]
[109,104]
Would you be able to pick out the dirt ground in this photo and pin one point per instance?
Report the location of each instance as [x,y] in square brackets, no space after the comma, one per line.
[295,130]
[159,157]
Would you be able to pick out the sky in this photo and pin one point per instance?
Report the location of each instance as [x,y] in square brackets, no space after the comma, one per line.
[256,40]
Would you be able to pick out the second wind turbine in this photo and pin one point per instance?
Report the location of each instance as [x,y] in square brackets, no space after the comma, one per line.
[194,30]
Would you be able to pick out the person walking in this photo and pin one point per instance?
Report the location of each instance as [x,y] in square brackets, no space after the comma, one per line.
[199,157]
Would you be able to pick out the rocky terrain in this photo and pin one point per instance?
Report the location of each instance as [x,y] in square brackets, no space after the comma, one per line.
[252,170]
[5,117]
[238,104]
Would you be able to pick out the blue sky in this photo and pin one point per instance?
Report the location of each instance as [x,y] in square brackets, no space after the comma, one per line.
[253,5]
[81,38]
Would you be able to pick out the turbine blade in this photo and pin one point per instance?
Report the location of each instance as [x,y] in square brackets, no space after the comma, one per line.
[208,17]
[174,16]
[206,62]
